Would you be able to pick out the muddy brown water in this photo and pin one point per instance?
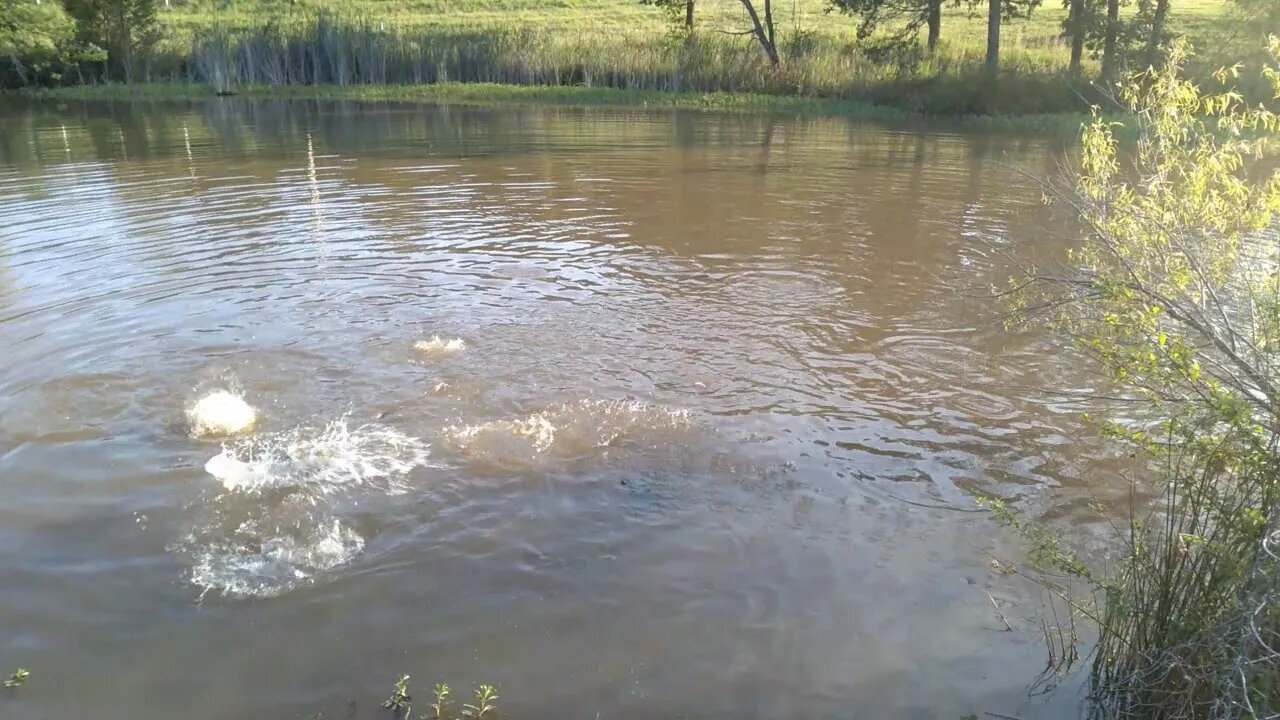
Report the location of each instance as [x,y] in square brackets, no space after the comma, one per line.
[710,449]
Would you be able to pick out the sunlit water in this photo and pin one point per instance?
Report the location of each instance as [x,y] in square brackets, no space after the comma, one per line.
[642,414]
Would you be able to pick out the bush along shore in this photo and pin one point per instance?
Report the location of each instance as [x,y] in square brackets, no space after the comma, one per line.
[1173,294]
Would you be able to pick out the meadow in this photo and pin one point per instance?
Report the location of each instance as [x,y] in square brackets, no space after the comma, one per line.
[961,25]
[626,45]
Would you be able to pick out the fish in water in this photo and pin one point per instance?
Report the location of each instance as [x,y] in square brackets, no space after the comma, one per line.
[221,412]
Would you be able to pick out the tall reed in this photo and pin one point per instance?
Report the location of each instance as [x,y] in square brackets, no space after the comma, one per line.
[333,50]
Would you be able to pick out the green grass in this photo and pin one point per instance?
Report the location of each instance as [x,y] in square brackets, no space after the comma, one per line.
[1033,42]
[627,46]
[341,50]
[1208,23]
[1198,17]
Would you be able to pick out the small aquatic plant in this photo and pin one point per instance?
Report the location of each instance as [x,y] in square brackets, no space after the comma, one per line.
[442,701]
[398,700]
[17,678]
[486,697]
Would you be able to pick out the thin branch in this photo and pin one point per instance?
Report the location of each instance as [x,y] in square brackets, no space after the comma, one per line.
[1003,619]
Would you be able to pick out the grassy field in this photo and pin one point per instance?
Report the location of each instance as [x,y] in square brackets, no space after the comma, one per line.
[1196,18]
[625,45]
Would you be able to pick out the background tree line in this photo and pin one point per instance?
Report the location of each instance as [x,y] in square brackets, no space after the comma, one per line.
[1093,25]
[76,41]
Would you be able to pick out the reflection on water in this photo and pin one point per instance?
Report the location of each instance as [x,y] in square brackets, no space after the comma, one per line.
[705,443]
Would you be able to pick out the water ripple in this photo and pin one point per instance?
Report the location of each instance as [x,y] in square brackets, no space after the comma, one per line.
[721,395]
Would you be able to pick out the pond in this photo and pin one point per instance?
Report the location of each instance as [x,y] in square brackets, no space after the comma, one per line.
[637,413]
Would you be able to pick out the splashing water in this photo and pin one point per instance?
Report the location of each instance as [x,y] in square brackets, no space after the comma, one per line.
[220,413]
[279,525]
[437,346]
[320,461]
[261,558]
[567,430]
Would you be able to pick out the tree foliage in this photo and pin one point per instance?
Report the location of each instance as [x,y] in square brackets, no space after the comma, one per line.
[128,29]
[1258,16]
[46,43]
[907,17]
[37,43]
[1175,293]
[762,27]
[1137,40]
[679,11]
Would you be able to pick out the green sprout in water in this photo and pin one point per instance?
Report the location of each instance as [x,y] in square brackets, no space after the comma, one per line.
[485,703]
[486,695]
[442,700]
[18,678]
[399,699]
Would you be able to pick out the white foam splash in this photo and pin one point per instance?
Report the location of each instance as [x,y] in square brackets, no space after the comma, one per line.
[281,524]
[220,413]
[568,429]
[535,431]
[438,346]
[319,460]
[260,559]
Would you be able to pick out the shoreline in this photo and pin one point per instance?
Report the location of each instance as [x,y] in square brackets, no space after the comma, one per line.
[498,95]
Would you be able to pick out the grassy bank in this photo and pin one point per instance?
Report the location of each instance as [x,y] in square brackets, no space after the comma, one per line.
[627,46]
[489,94]
[339,50]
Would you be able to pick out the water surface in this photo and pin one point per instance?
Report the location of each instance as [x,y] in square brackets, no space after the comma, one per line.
[727,389]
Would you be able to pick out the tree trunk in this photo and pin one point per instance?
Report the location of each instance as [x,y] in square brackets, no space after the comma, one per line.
[18,68]
[935,23]
[764,37]
[1156,39]
[1076,24]
[768,23]
[993,37]
[688,14]
[124,44]
[1110,49]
